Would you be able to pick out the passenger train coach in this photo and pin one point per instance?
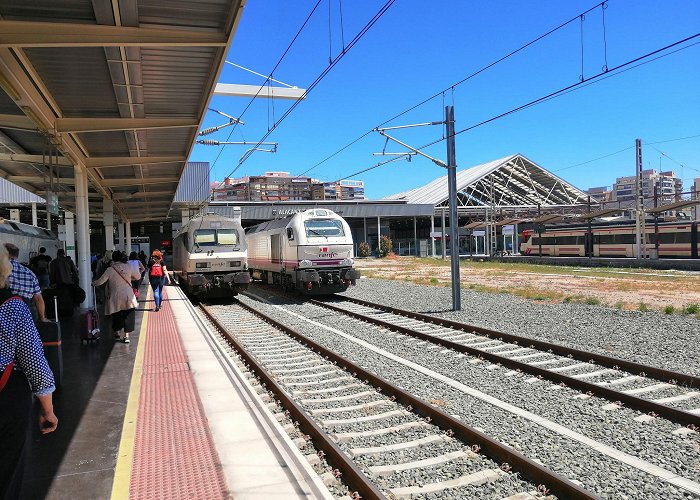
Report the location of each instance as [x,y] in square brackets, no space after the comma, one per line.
[676,239]
[210,257]
[29,239]
[311,251]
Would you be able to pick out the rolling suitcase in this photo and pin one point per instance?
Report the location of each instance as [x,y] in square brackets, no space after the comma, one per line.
[90,324]
[50,334]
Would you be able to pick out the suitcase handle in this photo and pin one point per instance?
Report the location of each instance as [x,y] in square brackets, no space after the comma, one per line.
[55,307]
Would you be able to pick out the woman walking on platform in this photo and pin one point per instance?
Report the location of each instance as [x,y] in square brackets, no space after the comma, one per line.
[157,275]
[121,302]
[23,371]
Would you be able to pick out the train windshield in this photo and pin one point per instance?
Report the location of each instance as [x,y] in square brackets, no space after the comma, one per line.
[214,237]
[323,227]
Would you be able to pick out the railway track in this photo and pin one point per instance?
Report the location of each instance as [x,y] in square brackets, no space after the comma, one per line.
[383,441]
[621,382]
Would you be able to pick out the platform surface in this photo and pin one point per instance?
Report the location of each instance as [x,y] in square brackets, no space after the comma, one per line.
[166,416]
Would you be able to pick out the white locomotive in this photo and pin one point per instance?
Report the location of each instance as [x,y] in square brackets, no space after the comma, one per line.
[311,251]
[28,239]
[210,256]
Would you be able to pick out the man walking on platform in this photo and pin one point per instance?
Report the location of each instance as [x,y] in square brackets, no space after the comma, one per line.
[23,282]
[40,265]
[62,270]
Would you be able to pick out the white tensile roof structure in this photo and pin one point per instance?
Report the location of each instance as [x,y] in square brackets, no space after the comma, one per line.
[512,182]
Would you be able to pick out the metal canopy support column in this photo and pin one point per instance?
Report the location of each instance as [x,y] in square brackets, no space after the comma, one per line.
[83,226]
[69,227]
[415,238]
[442,229]
[108,220]
[432,234]
[454,221]
[379,234]
[364,222]
[120,246]
[127,242]
[35,221]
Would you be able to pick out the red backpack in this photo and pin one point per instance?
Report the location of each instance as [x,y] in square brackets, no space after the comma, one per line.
[156,270]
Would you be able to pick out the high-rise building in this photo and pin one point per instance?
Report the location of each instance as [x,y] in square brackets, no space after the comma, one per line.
[669,187]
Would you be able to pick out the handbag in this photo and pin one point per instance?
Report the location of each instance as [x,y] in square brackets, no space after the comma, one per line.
[136,292]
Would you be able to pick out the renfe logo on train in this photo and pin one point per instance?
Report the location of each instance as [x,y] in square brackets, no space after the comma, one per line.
[323,252]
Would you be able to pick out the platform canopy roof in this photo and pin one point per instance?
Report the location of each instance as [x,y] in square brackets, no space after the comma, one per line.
[117,88]
[510,182]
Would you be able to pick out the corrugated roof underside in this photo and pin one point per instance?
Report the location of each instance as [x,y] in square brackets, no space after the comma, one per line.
[78,78]
[174,80]
[210,15]
[48,10]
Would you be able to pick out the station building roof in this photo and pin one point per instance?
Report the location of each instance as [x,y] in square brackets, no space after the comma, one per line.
[118,88]
[512,182]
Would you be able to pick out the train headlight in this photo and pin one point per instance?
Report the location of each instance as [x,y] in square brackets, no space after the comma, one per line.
[235,263]
[202,265]
[347,262]
[305,263]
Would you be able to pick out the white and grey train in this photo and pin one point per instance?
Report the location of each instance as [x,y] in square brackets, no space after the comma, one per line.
[210,256]
[311,251]
[28,239]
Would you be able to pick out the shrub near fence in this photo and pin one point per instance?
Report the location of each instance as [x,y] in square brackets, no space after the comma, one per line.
[385,246]
[364,250]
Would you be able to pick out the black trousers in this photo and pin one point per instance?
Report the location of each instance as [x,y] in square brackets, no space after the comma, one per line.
[124,319]
[15,416]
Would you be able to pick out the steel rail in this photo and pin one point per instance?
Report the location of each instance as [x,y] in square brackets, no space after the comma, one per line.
[661,374]
[352,476]
[530,470]
[634,402]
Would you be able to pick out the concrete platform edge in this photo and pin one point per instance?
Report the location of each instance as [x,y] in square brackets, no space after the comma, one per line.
[286,454]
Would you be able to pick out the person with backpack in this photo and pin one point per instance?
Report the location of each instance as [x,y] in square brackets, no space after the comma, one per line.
[40,265]
[157,275]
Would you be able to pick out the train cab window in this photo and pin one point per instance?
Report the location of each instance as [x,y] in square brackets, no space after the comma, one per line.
[290,234]
[205,237]
[227,236]
[214,237]
[323,227]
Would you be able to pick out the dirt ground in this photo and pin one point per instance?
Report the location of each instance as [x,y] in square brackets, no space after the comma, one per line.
[639,289]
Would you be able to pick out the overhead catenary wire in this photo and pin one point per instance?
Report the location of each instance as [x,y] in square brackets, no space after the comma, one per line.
[452,87]
[323,74]
[608,73]
[252,100]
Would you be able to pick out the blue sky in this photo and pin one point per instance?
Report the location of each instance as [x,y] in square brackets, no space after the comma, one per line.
[417,49]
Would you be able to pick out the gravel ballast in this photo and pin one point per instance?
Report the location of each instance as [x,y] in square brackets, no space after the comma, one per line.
[667,341]
[652,442]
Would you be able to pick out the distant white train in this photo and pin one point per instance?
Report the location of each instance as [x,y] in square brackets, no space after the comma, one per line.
[210,257]
[311,251]
[28,239]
